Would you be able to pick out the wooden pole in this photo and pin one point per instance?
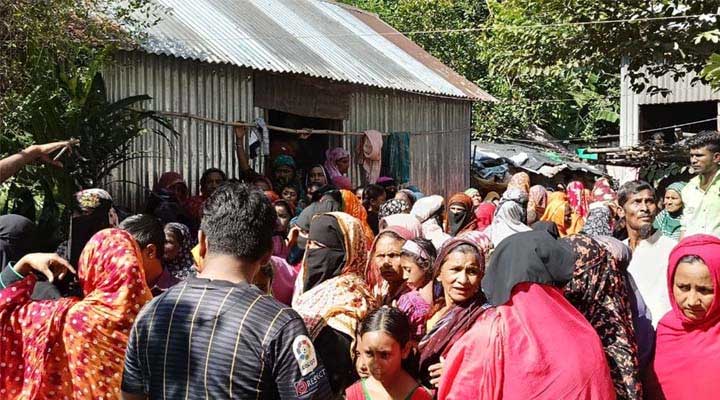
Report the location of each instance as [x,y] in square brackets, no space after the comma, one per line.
[300,132]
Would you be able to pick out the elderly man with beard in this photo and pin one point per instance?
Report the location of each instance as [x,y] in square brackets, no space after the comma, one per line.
[651,249]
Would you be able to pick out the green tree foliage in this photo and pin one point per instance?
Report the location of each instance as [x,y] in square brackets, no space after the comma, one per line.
[555,63]
[711,72]
[51,89]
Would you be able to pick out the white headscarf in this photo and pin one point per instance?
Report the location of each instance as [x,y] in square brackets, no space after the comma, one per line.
[426,207]
[507,221]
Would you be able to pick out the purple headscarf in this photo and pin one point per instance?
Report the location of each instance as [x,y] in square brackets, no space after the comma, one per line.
[331,157]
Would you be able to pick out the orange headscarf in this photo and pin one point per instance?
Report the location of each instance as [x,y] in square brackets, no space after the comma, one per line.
[555,211]
[74,347]
[353,206]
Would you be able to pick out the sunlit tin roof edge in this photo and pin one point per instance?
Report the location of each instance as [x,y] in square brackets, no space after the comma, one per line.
[183,37]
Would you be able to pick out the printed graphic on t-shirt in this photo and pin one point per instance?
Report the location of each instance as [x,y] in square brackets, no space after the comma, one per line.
[304,354]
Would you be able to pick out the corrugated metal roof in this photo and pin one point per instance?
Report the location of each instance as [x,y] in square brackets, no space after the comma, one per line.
[317,38]
[680,90]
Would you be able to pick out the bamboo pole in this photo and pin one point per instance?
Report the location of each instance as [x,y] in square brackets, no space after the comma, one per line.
[299,132]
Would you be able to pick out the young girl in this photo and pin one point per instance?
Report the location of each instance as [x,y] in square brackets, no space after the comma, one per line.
[418,256]
[385,341]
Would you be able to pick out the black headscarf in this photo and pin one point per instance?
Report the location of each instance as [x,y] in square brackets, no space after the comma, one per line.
[325,262]
[533,256]
[547,226]
[91,214]
[83,227]
[325,205]
[456,221]
[17,235]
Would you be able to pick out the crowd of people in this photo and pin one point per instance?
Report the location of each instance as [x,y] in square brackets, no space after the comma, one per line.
[303,287]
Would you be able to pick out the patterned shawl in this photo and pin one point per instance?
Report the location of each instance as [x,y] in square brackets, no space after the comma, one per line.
[602,192]
[599,222]
[536,203]
[343,301]
[598,291]
[74,347]
[521,181]
[182,266]
[392,207]
[577,198]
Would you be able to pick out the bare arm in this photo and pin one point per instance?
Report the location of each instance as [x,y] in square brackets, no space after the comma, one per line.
[49,264]
[240,132]
[9,166]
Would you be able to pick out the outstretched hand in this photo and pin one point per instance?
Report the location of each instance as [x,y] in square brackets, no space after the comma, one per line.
[43,151]
[49,264]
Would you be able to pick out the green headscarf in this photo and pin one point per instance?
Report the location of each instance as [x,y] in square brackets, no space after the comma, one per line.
[666,223]
[285,160]
[677,186]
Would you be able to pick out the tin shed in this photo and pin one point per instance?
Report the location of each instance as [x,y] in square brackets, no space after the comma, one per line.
[297,64]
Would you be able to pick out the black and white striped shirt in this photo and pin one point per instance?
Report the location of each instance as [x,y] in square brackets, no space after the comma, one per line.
[216,339]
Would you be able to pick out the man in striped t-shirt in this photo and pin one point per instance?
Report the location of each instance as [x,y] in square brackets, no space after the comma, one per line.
[216,336]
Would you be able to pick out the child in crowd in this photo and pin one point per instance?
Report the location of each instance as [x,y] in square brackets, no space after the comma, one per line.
[418,256]
[385,343]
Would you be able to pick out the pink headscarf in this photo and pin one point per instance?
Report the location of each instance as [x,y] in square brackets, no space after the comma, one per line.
[331,157]
[342,182]
[687,355]
[602,191]
[371,154]
[538,197]
[577,199]
[406,221]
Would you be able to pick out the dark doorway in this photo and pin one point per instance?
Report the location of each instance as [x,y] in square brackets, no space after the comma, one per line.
[306,152]
[656,116]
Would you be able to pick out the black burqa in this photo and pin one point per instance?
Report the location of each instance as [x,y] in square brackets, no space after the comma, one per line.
[547,226]
[17,235]
[327,260]
[83,225]
[17,238]
[533,256]
[322,263]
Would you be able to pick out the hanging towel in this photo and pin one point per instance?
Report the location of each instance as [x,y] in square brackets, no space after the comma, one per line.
[396,157]
[371,154]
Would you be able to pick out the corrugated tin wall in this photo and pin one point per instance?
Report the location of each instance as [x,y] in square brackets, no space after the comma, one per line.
[211,90]
[681,91]
[439,161]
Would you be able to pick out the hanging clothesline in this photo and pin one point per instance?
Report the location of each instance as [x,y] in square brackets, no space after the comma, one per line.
[301,132]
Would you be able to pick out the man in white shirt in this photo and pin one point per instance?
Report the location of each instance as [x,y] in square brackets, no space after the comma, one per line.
[650,248]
